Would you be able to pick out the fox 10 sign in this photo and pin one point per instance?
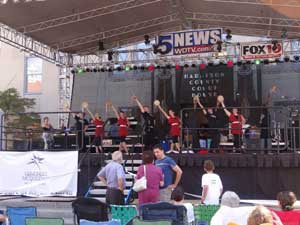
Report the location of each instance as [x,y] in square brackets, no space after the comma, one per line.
[261,50]
[189,42]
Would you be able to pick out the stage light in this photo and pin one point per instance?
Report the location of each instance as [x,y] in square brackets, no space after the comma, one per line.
[87,70]
[177,67]
[257,61]
[286,59]
[219,46]
[202,66]
[73,71]
[274,43]
[193,65]
[80,71]
[266,61]
[186,65]
[142,67]
[147,39]
[127,68]
[168,66]
[239,63]
[119,68]
[135,67]
[110,69]
[248,62]
[95,70]
[228,35]
[102,70]
[229,63]
[158,67]
[110,56]
[151,68]
[296,58]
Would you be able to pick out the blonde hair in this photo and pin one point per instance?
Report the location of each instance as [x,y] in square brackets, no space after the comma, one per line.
[259,216]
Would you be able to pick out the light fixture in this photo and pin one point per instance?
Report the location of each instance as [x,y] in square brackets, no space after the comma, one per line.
[274,43]
[228,35]
[110,56]
[147,39]
[219,46]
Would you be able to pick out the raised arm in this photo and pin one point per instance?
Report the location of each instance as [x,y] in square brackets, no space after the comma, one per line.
[90,113]
[225,110]
[163,111]
[115,111]
[200,105]
[138,103]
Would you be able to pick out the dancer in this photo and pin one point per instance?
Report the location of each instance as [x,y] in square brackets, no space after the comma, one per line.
[47,134]
[99,132]
[212,120]
[148,124]
[174,122]
[237,120]
[123,128]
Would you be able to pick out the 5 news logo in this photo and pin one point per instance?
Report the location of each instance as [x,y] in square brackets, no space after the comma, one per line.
[189,42]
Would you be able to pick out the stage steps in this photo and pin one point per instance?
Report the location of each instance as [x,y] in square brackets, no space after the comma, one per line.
[46,207]
[98,189]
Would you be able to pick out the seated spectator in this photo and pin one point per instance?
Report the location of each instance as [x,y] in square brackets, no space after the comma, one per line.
[3,219]
[230,212]
[178,196]
[154,178]
[288,215]
[262,216]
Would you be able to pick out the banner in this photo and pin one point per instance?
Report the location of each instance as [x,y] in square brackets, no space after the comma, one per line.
[189,42]
[261,50]
[207,84]
[38,173]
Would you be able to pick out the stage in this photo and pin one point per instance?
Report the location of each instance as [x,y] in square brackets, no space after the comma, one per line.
[252,176]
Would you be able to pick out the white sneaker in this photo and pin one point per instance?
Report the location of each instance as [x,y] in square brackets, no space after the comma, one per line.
[185,151]
[191,151]
[175,151]
[170,151]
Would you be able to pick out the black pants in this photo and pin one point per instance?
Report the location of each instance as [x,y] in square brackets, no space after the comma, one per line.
[114,197]
[81,141]
[215,139]
[237,140]
[148,141]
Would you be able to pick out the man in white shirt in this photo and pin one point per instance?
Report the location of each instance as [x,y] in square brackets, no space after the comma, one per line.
[211,185]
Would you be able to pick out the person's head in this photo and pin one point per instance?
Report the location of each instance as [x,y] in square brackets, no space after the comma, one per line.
[230,199]
[158,152]
[148,157]
[46,119]
[177,194]
[235,111]
[117,156]
[209,166]
[210,110]
[146,109]
[122,114]
[259,216]
[97,116]
[286,200]
[171,113]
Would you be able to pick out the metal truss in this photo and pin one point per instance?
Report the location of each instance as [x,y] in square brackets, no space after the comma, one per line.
[281,3]
[252,20]
[77,17]
[24,43]
[118,31]
[178,7]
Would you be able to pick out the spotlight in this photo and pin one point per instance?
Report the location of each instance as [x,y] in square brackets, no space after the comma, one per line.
[158,67]
[151,68]
[73,71]
[296,58]
[239,63]
[228,35]
[257,62]
[142,68]
[87,70]
[95,70]
[202,66]
[102,70]
[127,68]
[266,61]
[248,62]
[110,69]
[286,59]
[110,56]
[168,66]
[177,67]
[119,68]
[186,65]
[229,63]
[219,46]
[80,71]
[193,65]
[135,67]
[147,39]
[101,46]
[274,43]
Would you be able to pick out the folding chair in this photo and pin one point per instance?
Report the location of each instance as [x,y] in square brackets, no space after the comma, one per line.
[137,221]
[164,211]
[123,213]
[17,215]
[87,222]
[204,213]
[44,221]
[90,209]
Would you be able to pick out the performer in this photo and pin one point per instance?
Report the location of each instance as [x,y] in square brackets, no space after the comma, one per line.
[148,125]
[237,120]
[47,134]
[99,132]
[174,122]
[212,120]
[123,128]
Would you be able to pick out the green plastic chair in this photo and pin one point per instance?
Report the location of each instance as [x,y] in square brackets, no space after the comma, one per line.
[123,213]
[204,213]
[137,221]
[44,221]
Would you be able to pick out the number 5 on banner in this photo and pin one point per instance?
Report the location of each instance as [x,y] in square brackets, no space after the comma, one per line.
[164,44]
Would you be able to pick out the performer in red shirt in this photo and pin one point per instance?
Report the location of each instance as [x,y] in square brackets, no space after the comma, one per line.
[123,128]
[99,132]
[236,120]
[174,123]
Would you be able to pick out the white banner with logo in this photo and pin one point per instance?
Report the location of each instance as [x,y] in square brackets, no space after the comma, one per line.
[261,50]
[38,173]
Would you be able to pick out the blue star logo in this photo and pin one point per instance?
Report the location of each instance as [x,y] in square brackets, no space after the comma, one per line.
[36,160]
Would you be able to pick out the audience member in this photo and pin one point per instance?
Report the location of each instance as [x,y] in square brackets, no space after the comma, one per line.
[288,215]
[230,212]
[47,134]
[170,170]
[3,219]
[260,215]
[113,176]
[154,178]
[178,197]
[211,185]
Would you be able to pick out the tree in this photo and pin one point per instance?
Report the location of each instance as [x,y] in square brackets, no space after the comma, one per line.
[15,120]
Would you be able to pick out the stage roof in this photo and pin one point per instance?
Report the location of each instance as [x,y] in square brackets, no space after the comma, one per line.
[76,26]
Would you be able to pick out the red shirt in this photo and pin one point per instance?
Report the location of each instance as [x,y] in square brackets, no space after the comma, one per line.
[99,124]
[123,127]
[236,124]
[288,217]
[174,122]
